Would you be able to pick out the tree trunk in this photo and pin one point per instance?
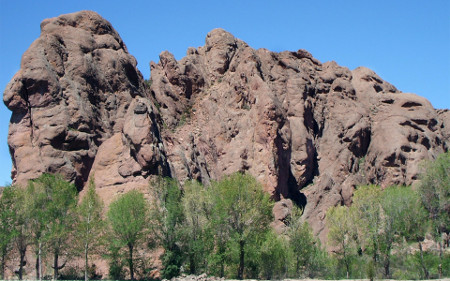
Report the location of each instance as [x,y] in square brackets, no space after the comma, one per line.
[347,263]
[297,267]
[387,263]
[86,263]
[38,277]
[55,266]
[130,261]
[425,271]
[347,267]
[222,268]
[222,261]
[40,260]
[440,259]
[192,267]
[22,262]
[375,250]
[241,260]
[3,265]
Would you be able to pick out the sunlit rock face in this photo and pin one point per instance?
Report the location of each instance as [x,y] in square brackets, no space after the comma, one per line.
[308,131]
[79,106]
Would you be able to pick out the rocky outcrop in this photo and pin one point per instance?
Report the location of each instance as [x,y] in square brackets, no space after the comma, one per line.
[308,131]
[79,106]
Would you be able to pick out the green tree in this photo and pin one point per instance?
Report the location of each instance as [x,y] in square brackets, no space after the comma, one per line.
[403,216]
[36,206]
[242,211]
[21,226]
[404,204]
[115,258]
[391,214]
[305,246]
[90,224]
[274,256]
[7,217]
[167,219]
[434,190]
[197,238]
[366,214]
[341,232]
[385,217]
[128,220]
[57,215]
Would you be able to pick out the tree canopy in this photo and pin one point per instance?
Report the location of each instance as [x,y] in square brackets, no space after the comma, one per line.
[128,219]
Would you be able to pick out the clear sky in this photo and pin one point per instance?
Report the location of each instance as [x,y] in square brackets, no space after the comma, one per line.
[406,42]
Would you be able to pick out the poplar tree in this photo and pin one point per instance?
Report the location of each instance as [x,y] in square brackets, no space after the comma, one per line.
[7,217]
[434,190]
[304,245]
[90,224]
[128,219]
[341,232]
[242,211]
[21,227]
[58,217]
[196,230]
[167,219]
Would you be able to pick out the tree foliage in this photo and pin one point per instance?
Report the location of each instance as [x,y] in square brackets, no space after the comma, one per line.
[223,229]
[7,232]
[128,220]
[167,218]
[308,253]
[274,256]
[53,201]
[90,224]
[403,217]
[196,228]
[434,190]
[21,227]
[241,211]
[341,234]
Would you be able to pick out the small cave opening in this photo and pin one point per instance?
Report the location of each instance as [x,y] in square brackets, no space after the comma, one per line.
[294,194]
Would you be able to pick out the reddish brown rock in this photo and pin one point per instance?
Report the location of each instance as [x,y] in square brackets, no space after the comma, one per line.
[308,131]
[79,100]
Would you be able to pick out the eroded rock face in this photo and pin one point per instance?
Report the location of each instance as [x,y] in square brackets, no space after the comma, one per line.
[79,107]
[309,131]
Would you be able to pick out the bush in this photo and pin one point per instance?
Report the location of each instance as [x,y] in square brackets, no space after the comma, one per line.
[274,259]
[71,273]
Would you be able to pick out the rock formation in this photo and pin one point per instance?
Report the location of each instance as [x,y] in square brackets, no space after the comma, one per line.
[308,131]
[79,106]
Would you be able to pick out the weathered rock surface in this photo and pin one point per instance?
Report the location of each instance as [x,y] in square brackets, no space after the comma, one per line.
[79,107]
[308,131]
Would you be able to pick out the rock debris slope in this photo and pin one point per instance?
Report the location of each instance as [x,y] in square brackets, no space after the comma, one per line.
[307,130]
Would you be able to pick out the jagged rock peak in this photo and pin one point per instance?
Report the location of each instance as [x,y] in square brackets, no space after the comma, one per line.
[219,36]
[86,20]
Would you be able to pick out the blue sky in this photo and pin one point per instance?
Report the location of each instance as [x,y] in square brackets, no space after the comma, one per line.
[406,42]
